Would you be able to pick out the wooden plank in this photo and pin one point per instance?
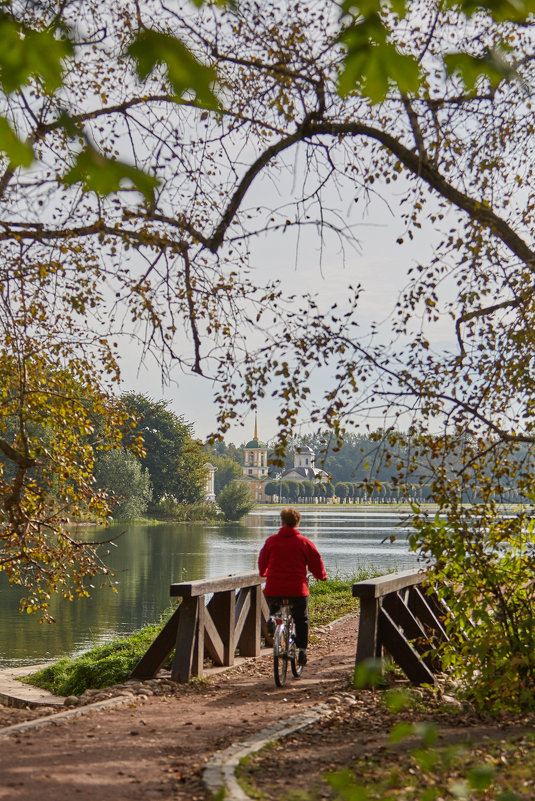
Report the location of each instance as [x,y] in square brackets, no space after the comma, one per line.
[439,607]
[249,640]
[243,604]
[187,632]
[222,610]
[403,616]
[368,644]
[403,653]
[383,585]
[421,607]
[212,641]
[413,630]
[189,589]
[153,659]
[197,663]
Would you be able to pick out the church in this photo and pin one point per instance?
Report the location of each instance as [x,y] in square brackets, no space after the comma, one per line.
[304,468]
[255,466]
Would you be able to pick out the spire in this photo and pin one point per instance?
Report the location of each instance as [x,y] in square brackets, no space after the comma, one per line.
[255,426]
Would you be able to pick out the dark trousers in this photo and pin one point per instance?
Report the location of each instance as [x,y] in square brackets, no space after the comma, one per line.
[299,608]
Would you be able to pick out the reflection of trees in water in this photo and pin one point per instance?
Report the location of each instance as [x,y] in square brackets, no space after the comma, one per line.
[146,561]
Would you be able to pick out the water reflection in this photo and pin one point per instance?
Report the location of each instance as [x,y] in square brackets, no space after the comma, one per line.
[148,558]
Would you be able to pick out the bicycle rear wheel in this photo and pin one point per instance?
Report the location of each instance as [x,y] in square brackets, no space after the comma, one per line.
[280,655]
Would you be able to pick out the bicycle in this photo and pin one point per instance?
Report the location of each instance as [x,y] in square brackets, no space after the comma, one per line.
[284,649]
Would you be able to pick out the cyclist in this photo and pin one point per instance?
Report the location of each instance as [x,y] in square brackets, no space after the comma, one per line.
[284,560]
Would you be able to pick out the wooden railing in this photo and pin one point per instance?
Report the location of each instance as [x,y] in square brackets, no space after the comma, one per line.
[230,622]
[399,615]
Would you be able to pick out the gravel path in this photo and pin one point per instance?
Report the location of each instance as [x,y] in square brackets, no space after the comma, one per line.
[156,747]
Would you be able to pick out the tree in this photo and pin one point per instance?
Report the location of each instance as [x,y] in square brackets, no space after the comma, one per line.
[340,490]
[322,104]
[235,500]
[285,490]
[295,490]
[272,488]
[226,471]
[175,460]
[127,484]
[324,491]
[308,489]
[49,438]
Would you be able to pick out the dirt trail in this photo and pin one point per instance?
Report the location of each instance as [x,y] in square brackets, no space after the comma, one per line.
[156,748]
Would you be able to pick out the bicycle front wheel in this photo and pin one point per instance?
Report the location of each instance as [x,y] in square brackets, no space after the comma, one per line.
[280,655]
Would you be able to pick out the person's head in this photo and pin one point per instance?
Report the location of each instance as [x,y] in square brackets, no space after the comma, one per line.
[290,517]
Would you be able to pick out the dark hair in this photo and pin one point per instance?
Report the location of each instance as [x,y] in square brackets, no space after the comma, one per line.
[290,517]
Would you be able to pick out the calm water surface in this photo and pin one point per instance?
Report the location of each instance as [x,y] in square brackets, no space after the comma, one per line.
[148,559]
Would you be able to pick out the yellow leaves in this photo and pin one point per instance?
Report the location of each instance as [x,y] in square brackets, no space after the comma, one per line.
[51,414]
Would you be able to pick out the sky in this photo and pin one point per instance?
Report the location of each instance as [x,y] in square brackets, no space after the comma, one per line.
[380,266]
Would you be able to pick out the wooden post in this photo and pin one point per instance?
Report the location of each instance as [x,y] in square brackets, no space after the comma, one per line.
[221,609]
[368,644]
[186,661]
[249,641]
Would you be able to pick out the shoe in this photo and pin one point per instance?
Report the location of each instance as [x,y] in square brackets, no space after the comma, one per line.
[302,657]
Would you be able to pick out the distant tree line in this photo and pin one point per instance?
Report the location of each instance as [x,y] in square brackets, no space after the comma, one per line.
[378,467]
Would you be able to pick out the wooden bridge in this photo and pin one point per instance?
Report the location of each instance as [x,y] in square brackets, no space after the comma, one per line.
[225,617]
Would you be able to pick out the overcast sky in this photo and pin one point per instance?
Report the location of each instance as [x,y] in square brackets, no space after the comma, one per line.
[380,266]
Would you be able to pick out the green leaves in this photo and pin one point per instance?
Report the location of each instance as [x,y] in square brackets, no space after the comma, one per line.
[373,64]
[105,176]
[185,72]
[27,53]
[499,10]
[471,69]
[368,674]
[19,153]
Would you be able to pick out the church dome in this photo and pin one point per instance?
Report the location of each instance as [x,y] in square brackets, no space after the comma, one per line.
[254,443]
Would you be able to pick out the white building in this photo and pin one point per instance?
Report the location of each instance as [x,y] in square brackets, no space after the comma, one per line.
[304,468]
[209,487]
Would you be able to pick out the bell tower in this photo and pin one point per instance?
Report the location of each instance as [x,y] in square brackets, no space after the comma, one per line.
[255,466]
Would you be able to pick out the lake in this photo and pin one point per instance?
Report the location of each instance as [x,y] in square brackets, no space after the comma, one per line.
[147,559]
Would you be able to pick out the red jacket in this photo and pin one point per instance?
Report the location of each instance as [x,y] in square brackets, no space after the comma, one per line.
[285,559]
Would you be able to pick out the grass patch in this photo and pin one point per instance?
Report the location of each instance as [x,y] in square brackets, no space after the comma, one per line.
[332,599]
[102,666]
[242,777]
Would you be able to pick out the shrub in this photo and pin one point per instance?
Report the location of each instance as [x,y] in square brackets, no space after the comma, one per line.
[482,565]
[235,500]
[169,509]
